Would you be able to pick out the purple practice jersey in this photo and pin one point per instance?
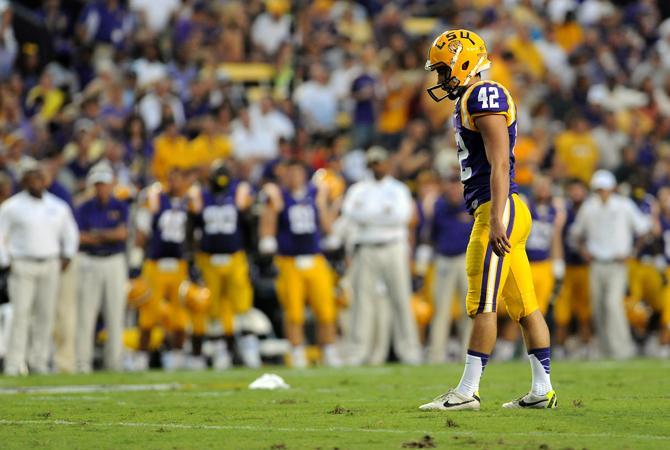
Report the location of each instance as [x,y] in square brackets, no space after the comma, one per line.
[298,224]
[482,98]
[538,246]
[220,222]
[451,228]
[168,228]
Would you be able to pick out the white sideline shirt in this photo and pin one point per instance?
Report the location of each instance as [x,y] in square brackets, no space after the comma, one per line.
[380,210]
[609,228]
[36,228]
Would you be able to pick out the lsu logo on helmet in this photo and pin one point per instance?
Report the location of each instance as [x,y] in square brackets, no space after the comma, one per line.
[456,56]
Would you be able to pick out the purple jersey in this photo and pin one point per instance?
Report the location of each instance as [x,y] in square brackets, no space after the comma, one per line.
[298,224]
[220,222]
[168,228]
[538,246]
[482,98]
[451,228]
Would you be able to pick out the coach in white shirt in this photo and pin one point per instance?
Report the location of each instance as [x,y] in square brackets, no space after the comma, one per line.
[380,210]
[606,226]
[38,238]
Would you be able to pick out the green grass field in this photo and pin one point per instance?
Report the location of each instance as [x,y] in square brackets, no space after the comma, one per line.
[603,405]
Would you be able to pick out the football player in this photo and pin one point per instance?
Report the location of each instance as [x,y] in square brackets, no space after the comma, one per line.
[574,300]
[645,280]
[496,261]
[162,228]
[545,242]
[293,217]
[223,262]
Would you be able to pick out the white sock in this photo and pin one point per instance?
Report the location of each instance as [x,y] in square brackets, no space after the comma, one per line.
[475,363]
[540,367]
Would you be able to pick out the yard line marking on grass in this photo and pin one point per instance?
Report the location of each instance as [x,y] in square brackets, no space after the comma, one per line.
[88,388]
[184,426]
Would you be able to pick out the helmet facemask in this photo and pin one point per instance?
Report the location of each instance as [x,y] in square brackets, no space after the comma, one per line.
[446,82]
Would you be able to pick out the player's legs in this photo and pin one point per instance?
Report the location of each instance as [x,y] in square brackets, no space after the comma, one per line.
[291,293]
[320,288]
[239,298]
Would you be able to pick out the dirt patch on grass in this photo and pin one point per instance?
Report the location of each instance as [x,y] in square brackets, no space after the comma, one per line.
[425,442]
[578,403]
[339,410]
[451,423]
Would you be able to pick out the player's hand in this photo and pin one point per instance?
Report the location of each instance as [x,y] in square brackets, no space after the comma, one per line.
[498,239]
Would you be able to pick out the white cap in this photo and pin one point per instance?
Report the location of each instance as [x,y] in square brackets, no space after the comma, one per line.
[603,179]
[27,165]
[100,173]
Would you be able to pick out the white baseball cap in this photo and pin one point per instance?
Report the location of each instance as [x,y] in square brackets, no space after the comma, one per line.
[100,173]
[603,179]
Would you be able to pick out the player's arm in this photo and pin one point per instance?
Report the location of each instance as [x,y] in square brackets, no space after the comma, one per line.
[327,213]
[243,196]
[493,128]
[267,226]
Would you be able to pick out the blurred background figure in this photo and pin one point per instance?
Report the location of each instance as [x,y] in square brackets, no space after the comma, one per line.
[380,210]
[607,225]
[450,229]
[103,228]
[39,239]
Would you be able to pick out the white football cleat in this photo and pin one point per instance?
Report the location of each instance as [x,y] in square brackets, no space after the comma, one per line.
[331,357]
[453,401]
[298,357]
[195,362]
[222,359]
[250,351]
[173,360]
[532,401]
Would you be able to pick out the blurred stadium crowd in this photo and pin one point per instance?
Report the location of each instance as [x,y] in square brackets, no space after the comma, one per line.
[188,99]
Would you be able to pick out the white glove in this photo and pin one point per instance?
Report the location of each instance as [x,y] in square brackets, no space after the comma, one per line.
[558,268]
[267,245]
[422,258]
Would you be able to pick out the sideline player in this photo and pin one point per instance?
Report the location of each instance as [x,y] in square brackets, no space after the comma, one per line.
[223,262]
[496,260]
[291,223]
[162,228]
[574,300]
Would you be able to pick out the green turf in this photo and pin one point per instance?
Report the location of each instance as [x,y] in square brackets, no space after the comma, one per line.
[602,405]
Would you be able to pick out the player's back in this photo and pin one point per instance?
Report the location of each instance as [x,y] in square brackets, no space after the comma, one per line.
[481,98]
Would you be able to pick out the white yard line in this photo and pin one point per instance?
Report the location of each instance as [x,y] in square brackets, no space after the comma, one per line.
[183,426]
[89,388]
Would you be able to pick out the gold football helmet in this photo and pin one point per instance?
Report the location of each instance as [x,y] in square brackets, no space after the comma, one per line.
[457,56]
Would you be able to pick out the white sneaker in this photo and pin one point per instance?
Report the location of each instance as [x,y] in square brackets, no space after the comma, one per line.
[172,360]
[195,362]
[250,351]
[532,401]
[222,359]
[298,357]
[331,358]
[453,401]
